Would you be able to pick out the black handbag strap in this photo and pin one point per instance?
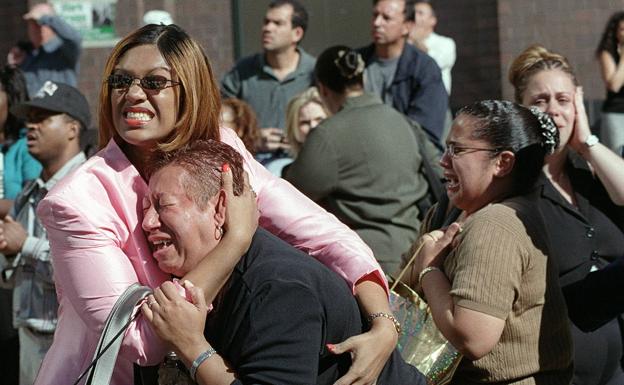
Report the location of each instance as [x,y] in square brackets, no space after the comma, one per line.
[101,367]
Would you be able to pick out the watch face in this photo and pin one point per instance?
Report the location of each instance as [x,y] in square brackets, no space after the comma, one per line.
[591,140]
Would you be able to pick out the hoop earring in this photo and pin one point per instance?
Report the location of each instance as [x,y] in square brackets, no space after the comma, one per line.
[218,233]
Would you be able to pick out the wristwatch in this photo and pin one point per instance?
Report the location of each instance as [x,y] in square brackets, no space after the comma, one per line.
[591,141]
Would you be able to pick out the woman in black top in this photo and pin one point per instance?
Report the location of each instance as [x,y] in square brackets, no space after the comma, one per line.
[581,199]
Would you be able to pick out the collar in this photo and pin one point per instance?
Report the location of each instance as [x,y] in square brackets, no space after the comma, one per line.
[408,62]
[548,191]
[364,100]
[302,65]
[432,37]
[406,67]
[74,162]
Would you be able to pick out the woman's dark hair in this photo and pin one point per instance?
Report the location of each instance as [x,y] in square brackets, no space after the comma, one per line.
[13,83]
[339,68]
[507,126]
[608,41]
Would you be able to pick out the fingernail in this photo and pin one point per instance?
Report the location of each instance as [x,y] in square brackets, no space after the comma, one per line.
[225,167]
[330,347]
[188,283]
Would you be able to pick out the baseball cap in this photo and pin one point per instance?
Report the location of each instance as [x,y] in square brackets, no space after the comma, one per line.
[57,97]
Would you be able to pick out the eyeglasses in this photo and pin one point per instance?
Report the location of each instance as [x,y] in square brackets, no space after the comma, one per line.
[454,150]
[150,82]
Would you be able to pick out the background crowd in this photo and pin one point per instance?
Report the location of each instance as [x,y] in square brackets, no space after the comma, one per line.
[345,154]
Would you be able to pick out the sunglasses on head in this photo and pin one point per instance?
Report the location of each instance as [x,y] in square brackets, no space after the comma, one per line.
[150,82]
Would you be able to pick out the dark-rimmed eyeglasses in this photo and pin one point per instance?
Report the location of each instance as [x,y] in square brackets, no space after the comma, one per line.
[454,150]
[150,82]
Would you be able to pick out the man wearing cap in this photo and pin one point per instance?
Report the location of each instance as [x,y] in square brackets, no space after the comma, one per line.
[54,118]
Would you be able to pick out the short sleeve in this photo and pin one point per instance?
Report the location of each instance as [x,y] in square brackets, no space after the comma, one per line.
[485,268]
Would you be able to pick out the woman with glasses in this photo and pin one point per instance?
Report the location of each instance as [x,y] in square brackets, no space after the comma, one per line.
[492,290]
[159,93]
[581,197]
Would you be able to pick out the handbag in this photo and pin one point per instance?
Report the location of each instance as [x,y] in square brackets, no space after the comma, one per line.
[420,342]
[100,369]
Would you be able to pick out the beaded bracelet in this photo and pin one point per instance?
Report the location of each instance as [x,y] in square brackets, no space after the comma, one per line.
[426,270]
[199,360]
[396,323]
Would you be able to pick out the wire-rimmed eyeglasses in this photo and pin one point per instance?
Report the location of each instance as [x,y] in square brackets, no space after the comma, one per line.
[454,150]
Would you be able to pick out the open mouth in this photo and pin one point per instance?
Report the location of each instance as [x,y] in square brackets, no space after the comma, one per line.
[31,138]
[135,117]
[451,182]
[161,244]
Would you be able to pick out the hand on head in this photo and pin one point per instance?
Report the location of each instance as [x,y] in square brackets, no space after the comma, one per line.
[581,124]
[38,11]
[241,210]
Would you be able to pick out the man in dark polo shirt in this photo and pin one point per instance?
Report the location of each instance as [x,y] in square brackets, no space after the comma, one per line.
[269,79]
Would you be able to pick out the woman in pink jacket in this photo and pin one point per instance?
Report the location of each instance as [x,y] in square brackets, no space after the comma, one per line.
[159,91]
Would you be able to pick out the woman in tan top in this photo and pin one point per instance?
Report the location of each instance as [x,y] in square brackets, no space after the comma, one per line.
[492,291]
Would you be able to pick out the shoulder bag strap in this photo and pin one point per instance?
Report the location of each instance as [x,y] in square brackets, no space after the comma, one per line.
[101,368]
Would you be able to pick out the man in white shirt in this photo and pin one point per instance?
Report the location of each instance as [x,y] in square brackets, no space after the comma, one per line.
[440,48]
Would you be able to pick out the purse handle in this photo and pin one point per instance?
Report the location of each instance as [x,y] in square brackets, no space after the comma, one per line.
[101,368]
[407,266]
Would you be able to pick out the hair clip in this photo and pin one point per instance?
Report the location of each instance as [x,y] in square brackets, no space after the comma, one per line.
[354,64]
[549,129]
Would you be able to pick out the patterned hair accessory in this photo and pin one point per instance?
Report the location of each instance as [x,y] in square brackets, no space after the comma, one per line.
[550,133]
[349,63]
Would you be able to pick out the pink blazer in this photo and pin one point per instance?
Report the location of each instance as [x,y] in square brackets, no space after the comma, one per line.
[93,218]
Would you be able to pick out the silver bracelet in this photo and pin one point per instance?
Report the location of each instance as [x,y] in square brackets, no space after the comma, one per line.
[426,270]
[199,360]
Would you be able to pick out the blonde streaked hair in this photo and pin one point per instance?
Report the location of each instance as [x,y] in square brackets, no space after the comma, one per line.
[533,60]
[311,95]
[198,96]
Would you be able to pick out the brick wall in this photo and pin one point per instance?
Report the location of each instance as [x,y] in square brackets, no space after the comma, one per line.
[570,27]
[488,33]
[12,28]
[474,27]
